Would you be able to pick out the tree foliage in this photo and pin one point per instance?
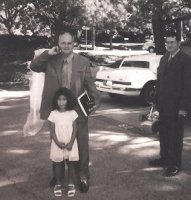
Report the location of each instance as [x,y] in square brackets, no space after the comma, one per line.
[11,12]
[58,13]
[106,13]
[163,12]
[142,12]
[38,15]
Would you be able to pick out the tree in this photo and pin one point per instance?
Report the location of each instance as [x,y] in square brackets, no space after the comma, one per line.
[110,15]
[58,14]
[159,11]
[36,15]
[163,13]
[10,12]
[106,15]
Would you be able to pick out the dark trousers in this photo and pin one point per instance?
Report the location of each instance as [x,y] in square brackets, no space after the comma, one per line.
[171,132]
[82,166]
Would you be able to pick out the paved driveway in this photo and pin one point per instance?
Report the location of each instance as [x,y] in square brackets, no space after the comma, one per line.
[119,161]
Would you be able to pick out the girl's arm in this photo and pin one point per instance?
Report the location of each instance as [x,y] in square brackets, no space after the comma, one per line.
[53,135]
[70,144]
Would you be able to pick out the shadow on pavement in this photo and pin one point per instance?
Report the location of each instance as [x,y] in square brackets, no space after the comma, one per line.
[118,162]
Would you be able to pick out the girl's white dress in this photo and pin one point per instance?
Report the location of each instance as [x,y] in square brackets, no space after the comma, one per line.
[63,129]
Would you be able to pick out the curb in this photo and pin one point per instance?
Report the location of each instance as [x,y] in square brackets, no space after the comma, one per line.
[13,85]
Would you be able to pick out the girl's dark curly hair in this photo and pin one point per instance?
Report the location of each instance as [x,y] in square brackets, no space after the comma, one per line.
[70,99]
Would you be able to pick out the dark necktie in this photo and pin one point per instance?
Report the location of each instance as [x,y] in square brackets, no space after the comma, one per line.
[65,75]
[170,58]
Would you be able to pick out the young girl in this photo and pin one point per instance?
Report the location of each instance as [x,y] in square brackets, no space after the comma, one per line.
[63,133]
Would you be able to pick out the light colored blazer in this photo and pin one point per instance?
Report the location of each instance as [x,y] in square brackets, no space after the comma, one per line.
[52,67]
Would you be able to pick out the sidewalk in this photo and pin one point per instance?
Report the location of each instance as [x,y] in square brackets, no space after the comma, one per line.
[119,161]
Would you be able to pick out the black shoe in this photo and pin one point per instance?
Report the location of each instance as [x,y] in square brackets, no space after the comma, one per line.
[84,186]
[159,162]
[172,171]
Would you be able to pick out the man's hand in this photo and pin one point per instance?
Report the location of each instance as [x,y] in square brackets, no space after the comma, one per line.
[182,113]
[53,51]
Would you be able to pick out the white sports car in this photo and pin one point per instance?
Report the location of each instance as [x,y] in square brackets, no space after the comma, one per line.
[135,75]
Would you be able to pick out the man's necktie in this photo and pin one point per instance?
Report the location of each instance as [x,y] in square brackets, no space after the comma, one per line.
[65,75]
[170,58]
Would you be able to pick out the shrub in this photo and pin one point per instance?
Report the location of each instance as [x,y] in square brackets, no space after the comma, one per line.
[18,47]
[13,73]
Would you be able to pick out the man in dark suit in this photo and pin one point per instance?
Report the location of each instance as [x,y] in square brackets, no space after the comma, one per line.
[172,102]
[64,68]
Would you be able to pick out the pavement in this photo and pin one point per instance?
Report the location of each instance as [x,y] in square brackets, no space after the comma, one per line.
[118,159]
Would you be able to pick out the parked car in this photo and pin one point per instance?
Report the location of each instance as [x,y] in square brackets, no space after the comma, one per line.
[84,46]
[111,65]
[149,46]
[122,47]
[136,75]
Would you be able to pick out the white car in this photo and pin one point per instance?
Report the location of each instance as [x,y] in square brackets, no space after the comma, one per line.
[136,75]
[149,46]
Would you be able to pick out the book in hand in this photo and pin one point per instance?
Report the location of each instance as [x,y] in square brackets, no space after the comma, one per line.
[86,104]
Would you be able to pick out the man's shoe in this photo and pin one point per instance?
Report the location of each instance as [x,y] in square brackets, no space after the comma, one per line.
[159,162]
[84,186]
[172,171]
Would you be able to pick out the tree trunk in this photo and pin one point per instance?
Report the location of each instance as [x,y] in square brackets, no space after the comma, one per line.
[93,37]
[158,32]
[110,41]
[58,27]
[179,29]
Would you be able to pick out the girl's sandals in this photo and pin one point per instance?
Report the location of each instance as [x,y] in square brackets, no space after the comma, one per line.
[58,190]
[71,190]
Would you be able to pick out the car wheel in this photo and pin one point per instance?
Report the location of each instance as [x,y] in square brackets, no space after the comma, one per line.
[151,49]
[148,94]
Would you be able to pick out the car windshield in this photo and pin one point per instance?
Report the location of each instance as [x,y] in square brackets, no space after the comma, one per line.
[115,64]
[140,64]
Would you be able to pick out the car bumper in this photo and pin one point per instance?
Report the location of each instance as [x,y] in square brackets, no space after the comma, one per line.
[127,91]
